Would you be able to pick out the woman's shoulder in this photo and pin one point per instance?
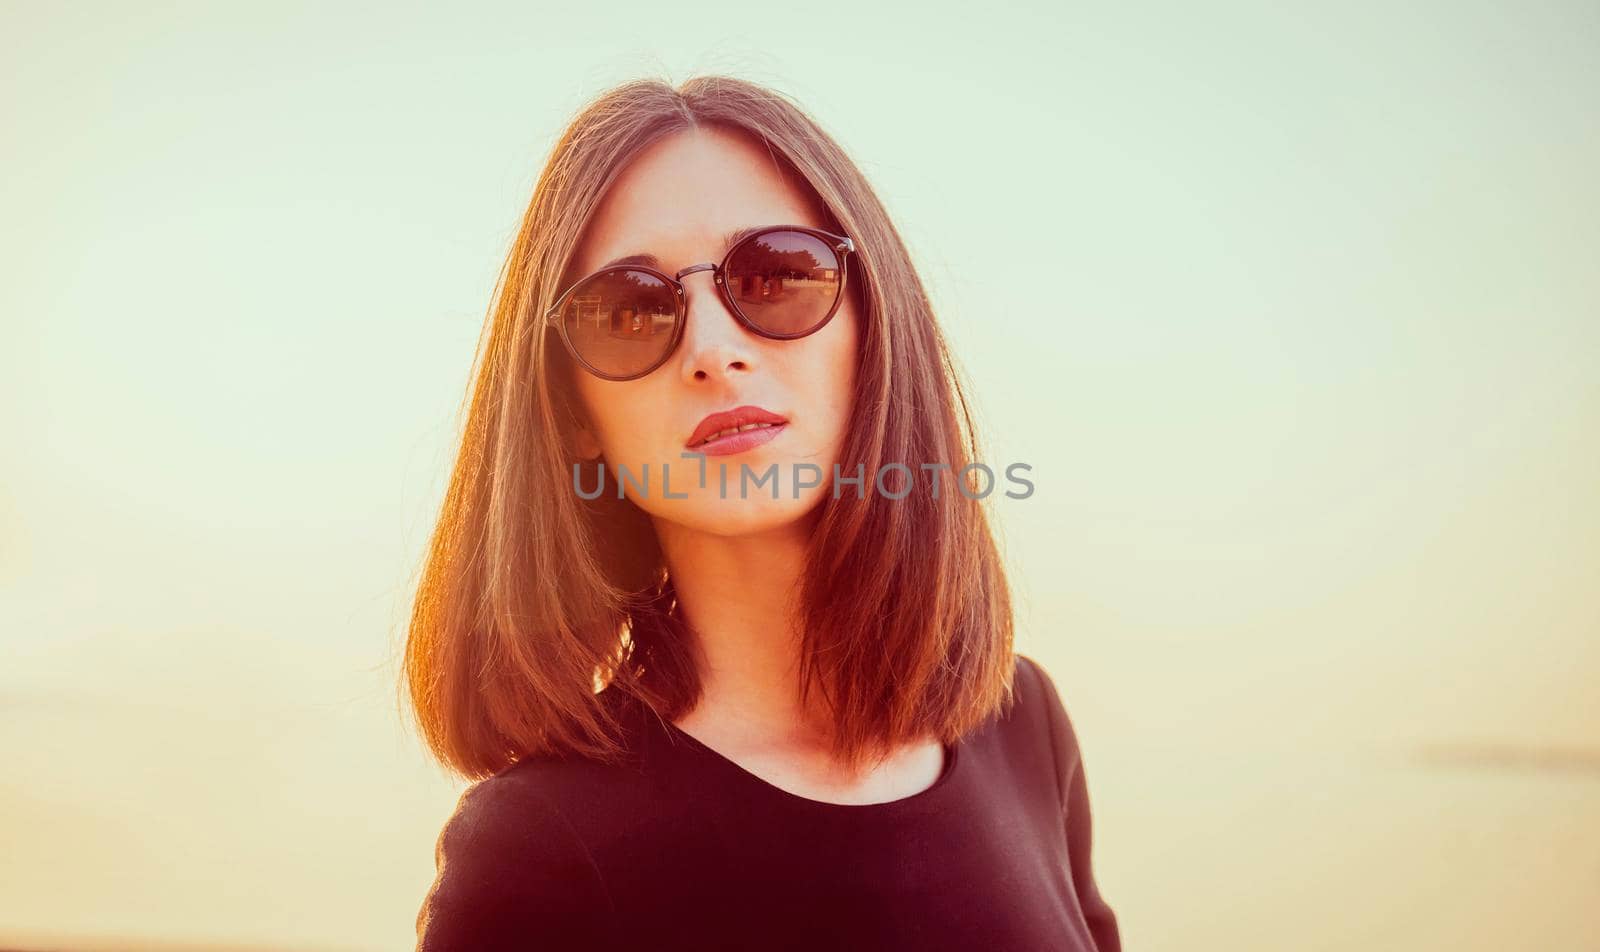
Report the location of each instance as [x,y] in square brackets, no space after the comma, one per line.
[570,787]
[510,869]
[1045,711]
[515,858]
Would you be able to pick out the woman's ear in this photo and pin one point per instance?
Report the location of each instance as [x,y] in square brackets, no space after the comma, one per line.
[581,440]
[584,443]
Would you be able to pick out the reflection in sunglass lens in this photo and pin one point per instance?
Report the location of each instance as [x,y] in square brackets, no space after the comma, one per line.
[621,322]
[785,282]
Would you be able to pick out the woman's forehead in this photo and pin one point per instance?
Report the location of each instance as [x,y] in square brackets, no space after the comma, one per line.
[683,197]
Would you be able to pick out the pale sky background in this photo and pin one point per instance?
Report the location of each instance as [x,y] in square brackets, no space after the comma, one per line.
[1311,404]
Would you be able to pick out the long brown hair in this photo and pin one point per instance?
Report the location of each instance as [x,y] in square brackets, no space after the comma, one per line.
[532,599]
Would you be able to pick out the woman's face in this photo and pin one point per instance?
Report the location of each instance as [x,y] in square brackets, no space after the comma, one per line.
[677,201]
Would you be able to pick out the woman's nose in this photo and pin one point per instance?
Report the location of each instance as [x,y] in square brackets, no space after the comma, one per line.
[715,345]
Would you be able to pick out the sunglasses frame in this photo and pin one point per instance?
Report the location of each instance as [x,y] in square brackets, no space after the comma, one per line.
[841,245]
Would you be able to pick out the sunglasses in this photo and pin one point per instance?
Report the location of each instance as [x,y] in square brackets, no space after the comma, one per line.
[782,282]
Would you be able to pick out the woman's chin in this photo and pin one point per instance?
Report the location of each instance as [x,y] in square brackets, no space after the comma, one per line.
[708,512]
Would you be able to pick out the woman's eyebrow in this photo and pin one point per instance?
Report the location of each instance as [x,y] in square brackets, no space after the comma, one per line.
[728,241]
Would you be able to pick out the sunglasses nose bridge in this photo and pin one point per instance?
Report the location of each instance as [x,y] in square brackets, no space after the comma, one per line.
[708,266]
[716,275]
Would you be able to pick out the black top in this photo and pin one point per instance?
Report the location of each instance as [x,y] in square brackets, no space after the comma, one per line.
[684,849]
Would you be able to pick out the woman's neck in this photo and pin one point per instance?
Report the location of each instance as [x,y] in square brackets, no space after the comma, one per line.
[739,596]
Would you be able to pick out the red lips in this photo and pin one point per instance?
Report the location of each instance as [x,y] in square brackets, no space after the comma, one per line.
[726,419]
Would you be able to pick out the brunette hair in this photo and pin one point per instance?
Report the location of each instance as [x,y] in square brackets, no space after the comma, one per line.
[532,599]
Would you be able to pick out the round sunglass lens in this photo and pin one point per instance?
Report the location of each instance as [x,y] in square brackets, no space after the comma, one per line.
[785,282]
[621,322]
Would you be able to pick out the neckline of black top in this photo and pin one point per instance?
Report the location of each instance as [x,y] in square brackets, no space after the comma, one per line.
[910,803]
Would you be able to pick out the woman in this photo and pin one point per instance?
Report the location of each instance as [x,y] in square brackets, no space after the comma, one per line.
[703,715]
